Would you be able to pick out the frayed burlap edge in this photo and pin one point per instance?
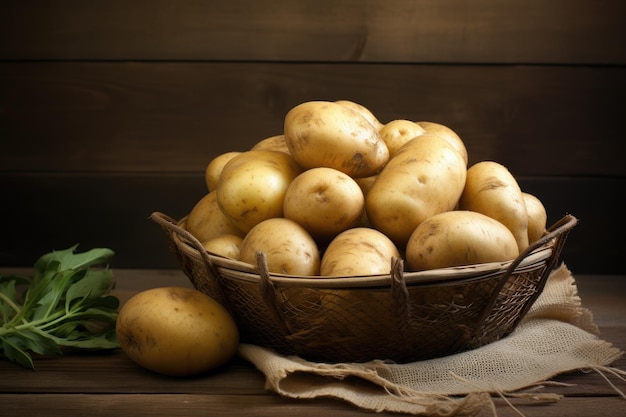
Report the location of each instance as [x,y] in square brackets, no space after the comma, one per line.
[557,336]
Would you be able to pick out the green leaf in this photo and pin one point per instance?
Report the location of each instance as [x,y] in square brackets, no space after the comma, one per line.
[66,329]
[107,302]
[38,288]
[100,341]
[39,342]
[13,352]
[9,304]
[67,259]
[91,287]
[66,304]
[53,298]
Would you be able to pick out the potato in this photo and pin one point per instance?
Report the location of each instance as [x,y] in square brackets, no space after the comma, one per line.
[492,190]
[214,169]
[227,245]
[176,331]
[325,201]
[458,238]
[448,134]
[398,132]
[359,251]
[252,186]
[288,247]
[364,111]
[425,177]
[272,143]
[365,183]
[207,221]
[327,134]
[537,217]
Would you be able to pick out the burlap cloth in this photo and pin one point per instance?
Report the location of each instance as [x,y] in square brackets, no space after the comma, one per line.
[556,336]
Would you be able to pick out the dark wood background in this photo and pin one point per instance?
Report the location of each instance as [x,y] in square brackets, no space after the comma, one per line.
[110,110]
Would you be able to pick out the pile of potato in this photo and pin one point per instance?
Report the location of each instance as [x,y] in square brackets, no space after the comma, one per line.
[339,193]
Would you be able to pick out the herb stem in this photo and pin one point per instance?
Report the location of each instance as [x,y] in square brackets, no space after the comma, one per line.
[11,304]
[58,308]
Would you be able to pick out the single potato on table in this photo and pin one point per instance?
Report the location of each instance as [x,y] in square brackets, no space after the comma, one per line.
[328,134]
[252,187]
[288,247]
[325,201]
[176,331]
[459,238]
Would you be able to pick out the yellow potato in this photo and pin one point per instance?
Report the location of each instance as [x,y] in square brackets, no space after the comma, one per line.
[214,169]
[359,251]
[398,132]
[176,331]
[252,186]
[365,183]
[365,112]
[207,221]
[458,238]
[327,134]
[227,245]
[424,178]
[537,217]
[288,247]
[272,143]
[448,134]
[492,190]
[325,201]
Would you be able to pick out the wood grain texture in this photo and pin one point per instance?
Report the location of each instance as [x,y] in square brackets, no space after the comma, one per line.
[482,31]
[112,110]
[183,405]
[56,210]
[176,117]
[110,384]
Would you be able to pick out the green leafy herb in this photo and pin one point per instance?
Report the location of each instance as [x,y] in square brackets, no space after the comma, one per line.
[66,304]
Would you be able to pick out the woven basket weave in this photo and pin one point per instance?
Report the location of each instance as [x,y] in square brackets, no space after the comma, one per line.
[402,316]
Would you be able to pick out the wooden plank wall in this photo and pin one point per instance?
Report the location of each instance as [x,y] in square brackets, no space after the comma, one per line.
[110,110]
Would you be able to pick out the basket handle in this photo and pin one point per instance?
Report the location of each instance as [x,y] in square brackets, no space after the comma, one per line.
[268,293]
[400,295]
[558,231]
[170,226]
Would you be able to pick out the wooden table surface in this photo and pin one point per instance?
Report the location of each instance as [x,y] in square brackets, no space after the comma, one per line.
[110,384]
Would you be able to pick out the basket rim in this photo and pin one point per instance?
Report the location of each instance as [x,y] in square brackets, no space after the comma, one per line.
[442,275]
[249,272]
[251,292]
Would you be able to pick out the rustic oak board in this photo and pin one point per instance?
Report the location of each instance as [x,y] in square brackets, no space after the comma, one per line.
[55,211]
[81,116]
[183,405]
[111,110]
[559,31]
[117,374]
[111,385]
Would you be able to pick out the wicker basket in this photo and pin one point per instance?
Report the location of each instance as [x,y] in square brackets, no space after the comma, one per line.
[402,316]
